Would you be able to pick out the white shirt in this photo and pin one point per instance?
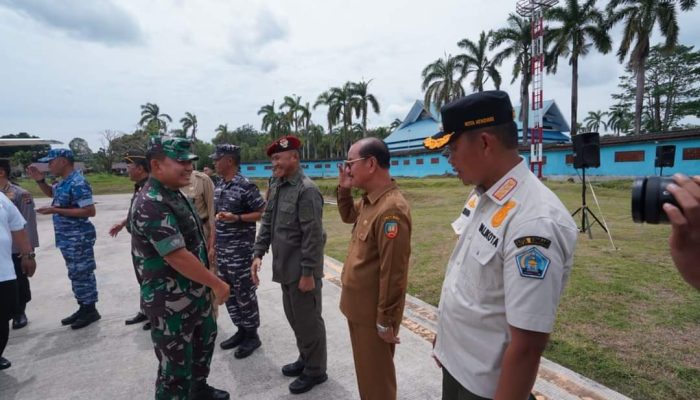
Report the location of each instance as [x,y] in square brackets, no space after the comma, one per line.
[10,221]
[509,267]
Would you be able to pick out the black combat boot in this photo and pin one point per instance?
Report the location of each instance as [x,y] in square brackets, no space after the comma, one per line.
[251,342]
[86,315]
[71,318]
[234,340]
[202,391]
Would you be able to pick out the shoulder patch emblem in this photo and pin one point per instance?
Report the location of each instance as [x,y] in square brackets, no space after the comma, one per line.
[532,241]
[391,228]
[500,215]
[505,188]
[532,263]
[472,201]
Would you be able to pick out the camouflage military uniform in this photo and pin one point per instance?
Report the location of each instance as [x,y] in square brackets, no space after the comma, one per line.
[234,248]
[180,310]
[75,236]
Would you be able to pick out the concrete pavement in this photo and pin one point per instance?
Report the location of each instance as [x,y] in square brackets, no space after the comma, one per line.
[109,360]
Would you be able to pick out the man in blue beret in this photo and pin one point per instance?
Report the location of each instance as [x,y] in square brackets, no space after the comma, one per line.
[512,260]
[71,207]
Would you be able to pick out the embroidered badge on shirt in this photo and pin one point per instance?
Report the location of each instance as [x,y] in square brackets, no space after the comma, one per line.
[500,215]
[505,188]
[532,241]
[532,263]
[391,228]
[472,202]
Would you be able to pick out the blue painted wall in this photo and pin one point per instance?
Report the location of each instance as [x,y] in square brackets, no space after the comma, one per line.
[427,164]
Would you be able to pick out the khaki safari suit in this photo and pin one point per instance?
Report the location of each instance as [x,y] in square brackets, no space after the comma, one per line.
[292,225]
[374,282]
[200,191]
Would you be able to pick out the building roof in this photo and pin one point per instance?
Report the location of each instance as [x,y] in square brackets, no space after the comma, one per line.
[421,123]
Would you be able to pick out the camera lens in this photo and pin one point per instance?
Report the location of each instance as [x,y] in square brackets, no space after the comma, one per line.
[648,197]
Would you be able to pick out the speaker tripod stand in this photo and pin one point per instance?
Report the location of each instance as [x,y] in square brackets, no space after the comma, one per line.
[586,222]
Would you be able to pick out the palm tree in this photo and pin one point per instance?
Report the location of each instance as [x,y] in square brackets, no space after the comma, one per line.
[189,121]
[641,16]
[581,26]
[269,120]
[361,100]
[304,120]
[594,120]
[324,99]
[152,119]
[517,38]
[442,81]
[292,104]
[475,60]
[619,119]
[341,109]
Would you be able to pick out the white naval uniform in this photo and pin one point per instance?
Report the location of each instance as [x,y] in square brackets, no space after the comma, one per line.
[509,267]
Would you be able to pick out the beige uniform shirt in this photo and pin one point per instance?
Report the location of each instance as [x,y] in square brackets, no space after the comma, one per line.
[201,192]
[509,267]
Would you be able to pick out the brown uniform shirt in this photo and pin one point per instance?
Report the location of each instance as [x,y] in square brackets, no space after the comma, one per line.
[201,192]
[375,273]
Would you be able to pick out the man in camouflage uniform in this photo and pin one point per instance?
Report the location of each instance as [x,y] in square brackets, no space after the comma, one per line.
[170,252]
[238,205]
[292,226]
[137,168]
[71,207]
[24,202]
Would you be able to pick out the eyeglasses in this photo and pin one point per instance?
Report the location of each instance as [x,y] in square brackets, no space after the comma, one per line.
[347,164]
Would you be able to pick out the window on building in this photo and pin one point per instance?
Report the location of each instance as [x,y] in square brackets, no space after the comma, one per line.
[691,153]
[251,168]
[435,160]
[419,161]
[328,165]
[629,156]
[570,158]
[394,162]
[268,167]
[318,166]
[406,162]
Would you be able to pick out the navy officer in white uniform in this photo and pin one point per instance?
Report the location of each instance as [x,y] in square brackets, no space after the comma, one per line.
[511,263]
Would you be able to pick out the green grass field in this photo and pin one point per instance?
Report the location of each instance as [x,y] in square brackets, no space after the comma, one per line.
[626,320]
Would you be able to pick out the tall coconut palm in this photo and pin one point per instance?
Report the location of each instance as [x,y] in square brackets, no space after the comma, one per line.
[516,39]
[152,118]
[619,119]
[640,17]
[476,61]
[341,109]
[304,120]
[361,99]
[292,104]
[580,27]
[189,121]
[325,99]
[594,120]
[442,81]
[269,120]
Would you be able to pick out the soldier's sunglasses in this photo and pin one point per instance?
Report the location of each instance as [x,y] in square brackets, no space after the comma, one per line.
[347,164]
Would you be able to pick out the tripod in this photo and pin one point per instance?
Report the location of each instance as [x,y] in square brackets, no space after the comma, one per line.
[586,223]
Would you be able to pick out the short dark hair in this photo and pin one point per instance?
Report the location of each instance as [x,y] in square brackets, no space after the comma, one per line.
[236,157]
[5,166]
[506,133]
[373,147]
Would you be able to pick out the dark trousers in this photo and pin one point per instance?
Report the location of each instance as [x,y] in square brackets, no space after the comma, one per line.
[24,294]
[303,311]
[453,390]
[8,305]
[374,363]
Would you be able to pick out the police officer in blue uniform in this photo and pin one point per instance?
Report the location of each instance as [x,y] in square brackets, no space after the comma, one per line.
[71,207]
[238,205]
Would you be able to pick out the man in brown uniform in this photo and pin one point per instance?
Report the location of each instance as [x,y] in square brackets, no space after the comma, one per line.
[376,269]
[201,192]
[292,225]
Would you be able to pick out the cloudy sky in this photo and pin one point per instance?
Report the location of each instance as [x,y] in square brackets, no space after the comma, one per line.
[75,68]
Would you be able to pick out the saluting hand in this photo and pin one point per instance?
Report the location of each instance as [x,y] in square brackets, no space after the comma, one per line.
[344,178]
[254,269]
[34,173]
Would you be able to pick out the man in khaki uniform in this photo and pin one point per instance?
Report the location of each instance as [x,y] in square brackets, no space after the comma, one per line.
[292,225]
[376,269]
[201,192]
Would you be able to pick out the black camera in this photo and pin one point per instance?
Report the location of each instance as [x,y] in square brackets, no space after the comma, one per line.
[648,197]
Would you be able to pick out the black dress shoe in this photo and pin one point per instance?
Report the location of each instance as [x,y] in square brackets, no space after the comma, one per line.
[20,321]
[4,363]
[140,317]
[202,391]
[234,340]
[71,318]
[305,383]
[293,369]
[88,315]
[147,326]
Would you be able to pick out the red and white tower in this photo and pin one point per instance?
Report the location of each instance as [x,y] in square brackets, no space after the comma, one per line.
[534,9]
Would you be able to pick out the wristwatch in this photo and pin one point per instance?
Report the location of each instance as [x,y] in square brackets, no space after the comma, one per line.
[382,329]
[30,256]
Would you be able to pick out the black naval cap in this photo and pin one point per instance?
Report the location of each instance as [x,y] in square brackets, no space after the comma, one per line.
[136,156]
[225,150]
[476,111]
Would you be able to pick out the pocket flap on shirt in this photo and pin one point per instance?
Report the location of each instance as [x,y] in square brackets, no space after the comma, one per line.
[483,251]
[288,208]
